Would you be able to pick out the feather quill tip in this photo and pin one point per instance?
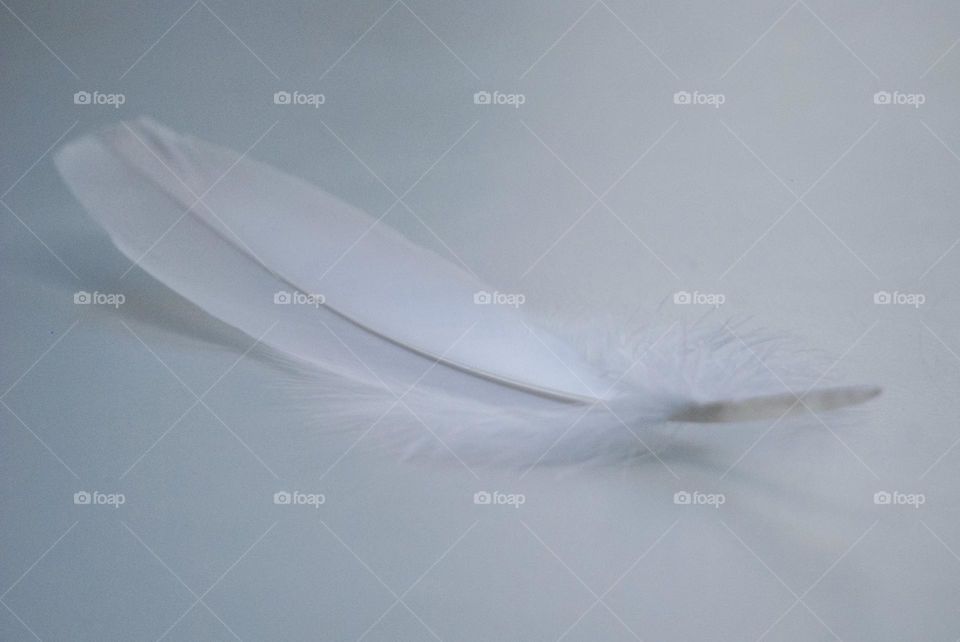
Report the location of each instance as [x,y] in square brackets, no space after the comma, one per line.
[776,406]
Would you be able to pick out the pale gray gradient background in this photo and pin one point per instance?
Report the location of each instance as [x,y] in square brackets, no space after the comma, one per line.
[797,199]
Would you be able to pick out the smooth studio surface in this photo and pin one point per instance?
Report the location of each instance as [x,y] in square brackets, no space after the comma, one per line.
[792,164]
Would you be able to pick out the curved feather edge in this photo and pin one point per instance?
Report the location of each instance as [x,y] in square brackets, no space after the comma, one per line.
[228,234]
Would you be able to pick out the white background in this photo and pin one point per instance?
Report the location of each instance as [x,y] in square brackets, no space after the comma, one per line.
[798,199]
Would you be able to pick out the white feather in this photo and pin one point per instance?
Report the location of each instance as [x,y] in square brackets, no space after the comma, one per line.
[399,344]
